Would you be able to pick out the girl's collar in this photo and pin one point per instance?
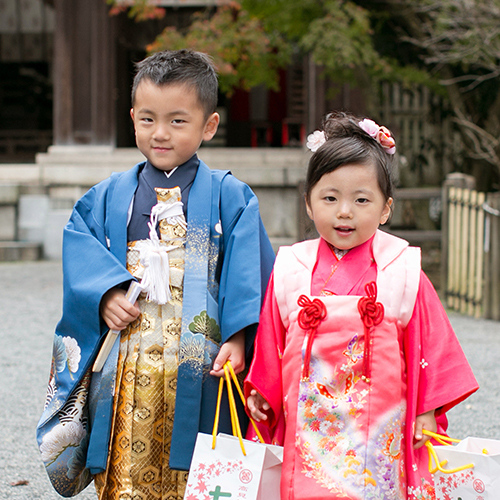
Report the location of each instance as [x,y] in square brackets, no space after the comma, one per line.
[337,251]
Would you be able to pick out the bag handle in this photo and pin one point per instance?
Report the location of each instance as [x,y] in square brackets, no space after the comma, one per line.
[235,424]
[446,441]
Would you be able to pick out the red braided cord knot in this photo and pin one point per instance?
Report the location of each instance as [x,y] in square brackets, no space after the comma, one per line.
[372,314]
[310,316]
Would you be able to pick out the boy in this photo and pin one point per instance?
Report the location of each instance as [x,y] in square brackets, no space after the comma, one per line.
[194,239]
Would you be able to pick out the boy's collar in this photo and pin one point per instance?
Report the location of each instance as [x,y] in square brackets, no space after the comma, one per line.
[170,172]
[192,162]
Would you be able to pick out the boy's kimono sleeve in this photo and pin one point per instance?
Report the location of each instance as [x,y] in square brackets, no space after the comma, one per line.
[90,269]
[265,375]
[247,261]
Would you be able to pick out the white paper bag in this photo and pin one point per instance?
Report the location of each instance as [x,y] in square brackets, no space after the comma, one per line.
[482,482]
[224,472]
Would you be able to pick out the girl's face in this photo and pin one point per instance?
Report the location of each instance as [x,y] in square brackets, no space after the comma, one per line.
[347,205]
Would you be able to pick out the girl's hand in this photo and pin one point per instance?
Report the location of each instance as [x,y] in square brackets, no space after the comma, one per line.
[255,404]
[116,310]
[425,421]
[232,350]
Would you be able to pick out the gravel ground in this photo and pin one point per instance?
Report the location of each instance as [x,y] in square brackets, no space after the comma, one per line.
[30,303]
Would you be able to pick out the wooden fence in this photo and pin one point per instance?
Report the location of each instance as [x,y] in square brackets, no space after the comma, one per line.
[472,252]
[469,237]
[426,138]
[491,299]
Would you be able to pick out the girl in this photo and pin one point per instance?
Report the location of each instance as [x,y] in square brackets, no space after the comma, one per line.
[354,355]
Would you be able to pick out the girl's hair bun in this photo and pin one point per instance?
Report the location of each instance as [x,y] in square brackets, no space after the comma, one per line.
[337,125]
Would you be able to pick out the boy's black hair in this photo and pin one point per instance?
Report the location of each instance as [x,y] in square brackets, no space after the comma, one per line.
[184,66]
[346,144]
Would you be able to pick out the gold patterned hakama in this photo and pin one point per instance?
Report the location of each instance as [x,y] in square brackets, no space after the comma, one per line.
[144,403]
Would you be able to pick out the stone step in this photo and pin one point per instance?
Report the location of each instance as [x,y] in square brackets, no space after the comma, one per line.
[19,250]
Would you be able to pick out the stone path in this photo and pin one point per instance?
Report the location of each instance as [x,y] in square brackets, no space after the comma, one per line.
[30,306]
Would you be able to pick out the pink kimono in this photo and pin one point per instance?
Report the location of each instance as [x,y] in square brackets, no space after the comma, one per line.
[347,357]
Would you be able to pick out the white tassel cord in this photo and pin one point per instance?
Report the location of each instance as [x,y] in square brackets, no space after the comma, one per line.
[171,211]
[156,278]
[154,256]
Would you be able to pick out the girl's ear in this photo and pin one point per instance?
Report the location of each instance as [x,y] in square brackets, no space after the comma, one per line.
[387,211]
[308,209]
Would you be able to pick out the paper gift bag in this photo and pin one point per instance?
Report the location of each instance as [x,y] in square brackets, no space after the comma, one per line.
[225,472]
[232,467]
[468,470]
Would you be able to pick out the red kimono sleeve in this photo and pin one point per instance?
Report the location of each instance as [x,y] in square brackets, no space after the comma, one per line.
[439,375]
[265,371]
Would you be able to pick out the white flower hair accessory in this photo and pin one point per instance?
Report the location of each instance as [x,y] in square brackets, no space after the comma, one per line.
[381,134]
[315,140]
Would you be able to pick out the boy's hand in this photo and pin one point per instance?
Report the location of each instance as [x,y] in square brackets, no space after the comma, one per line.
[255,404]
[232,350]
[116,310]
[425,421]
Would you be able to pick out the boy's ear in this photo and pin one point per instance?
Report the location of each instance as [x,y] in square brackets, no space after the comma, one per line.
[211,126]
[132,113]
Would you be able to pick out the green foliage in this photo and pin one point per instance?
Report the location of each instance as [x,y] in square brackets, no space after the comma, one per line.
[252,40]
[291,18]
[245,55]
[341,42]
[140,10]
[339,35]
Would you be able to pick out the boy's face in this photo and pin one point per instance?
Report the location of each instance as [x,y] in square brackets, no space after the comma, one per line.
[170,123]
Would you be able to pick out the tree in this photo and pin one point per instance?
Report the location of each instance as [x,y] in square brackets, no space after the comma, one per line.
[452,46]
[244,53]
[457,42]
[251,40]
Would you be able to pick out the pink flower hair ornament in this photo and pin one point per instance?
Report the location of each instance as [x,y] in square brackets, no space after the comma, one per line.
[315,140]
[381,134]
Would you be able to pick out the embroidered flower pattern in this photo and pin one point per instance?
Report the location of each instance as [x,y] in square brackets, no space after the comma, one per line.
[73,353]
[423,363]
[66,353]
[60,438]
[315,140]
[424,492]
[333,452]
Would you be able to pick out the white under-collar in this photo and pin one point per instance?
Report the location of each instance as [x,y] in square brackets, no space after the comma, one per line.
[168,174]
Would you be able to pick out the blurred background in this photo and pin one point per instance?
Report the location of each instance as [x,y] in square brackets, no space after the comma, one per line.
[428,70]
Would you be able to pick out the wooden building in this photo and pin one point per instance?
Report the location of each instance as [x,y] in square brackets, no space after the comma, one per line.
[66,69]
[26,55]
